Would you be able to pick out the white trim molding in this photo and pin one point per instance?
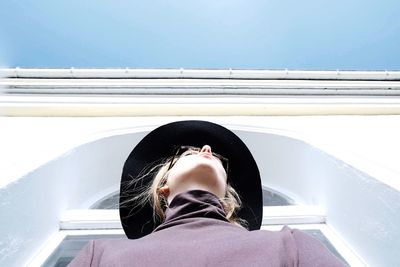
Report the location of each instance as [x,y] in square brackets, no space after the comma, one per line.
[181,92]
[109,219]
[126,106]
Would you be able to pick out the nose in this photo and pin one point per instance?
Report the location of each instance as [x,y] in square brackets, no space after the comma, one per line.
[206,149]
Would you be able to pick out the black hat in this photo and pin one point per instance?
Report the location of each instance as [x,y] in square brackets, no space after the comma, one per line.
[160,143]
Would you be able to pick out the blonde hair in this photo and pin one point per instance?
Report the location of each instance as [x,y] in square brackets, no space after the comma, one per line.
[231,201]
[150,193]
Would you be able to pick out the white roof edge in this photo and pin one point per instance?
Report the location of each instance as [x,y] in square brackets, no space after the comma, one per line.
[198,73]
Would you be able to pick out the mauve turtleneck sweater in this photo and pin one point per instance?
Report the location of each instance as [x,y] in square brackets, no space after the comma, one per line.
[197,233]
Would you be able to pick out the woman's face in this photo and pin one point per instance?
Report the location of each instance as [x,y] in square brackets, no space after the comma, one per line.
[197,170]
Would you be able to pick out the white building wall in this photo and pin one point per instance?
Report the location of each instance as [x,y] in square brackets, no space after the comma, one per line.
[69,163]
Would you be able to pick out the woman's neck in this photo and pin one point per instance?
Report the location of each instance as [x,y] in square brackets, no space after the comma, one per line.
[188,187]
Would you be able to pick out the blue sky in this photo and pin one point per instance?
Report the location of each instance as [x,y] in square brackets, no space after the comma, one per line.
[278,34]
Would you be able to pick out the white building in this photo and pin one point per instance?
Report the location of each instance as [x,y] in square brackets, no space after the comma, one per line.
[326,143]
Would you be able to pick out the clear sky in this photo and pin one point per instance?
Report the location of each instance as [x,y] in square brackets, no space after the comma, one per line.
[269,34]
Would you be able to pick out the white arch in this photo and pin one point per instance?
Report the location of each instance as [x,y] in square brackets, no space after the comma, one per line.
[357,206]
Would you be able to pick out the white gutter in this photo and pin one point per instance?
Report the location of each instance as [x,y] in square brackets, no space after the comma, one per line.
[200,74]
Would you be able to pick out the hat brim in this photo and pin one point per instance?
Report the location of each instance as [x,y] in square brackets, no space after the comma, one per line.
[244,176]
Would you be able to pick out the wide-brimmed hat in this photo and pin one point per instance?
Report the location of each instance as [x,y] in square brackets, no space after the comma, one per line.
[159,144]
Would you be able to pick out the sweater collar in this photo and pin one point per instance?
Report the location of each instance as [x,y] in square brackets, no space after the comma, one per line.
[193,204]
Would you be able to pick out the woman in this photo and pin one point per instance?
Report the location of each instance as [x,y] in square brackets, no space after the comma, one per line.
[178,207]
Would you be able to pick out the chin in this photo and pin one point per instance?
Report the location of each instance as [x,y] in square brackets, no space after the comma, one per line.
[211,179]
[204,173]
